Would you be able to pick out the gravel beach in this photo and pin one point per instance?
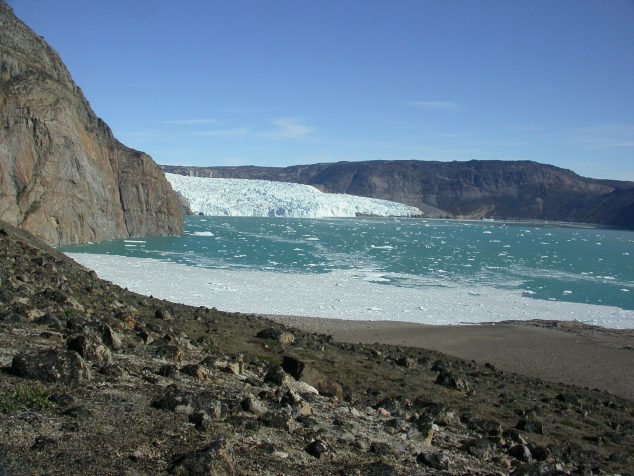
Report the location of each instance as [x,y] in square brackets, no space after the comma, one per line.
[561,352]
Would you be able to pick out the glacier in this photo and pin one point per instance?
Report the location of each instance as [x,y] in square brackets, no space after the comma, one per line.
[264,198]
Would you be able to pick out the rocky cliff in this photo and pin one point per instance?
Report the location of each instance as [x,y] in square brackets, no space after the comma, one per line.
[475,189]
[63,175]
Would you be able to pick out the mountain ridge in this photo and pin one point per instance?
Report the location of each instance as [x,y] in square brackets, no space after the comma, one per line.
[524,190]
[64,176]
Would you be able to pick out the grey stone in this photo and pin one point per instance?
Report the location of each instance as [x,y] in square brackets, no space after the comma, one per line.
[51,365]
[434,460]
[447,379]
[215,459]
[90,348]
[318,448]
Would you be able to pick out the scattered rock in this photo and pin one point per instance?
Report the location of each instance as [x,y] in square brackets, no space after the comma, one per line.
[168,370]
[521,452]
[217,459]
[197,371]
[111,338]
[407,362]
[277,376]
[568,398]
[233,368]
[434,460]
[293,367]
[277,419]
[398,406]
[200,419]
[329,387]
[42,443]
[79,412]
[175,401]
[541,453]
[253,405]
[531,426]
[479,447]
[163,314]
[270,333]
[447,379]
[51,365]
[318,448]
[303,388]
[90,348]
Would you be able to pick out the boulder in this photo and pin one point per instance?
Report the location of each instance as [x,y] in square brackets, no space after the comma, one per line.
[253,405]
[196,371]
[270,333]
[90,348]
[111,338]
[293,367]
[189,403]
[531,426]
[434,460]
[52,365]
[163,314]
[447,379]
[277,376]
[407,362]
[480,448]
[521,452]
[318,448]
[217,459]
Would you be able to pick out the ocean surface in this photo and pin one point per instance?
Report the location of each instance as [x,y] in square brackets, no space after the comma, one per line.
[428,271]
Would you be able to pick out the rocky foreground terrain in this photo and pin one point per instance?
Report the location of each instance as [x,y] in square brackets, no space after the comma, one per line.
[504,190]
[63,175]
[99,380]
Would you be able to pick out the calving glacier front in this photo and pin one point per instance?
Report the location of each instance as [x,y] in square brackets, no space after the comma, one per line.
[262,198]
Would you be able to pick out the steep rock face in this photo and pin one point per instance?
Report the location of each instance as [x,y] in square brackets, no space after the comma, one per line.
[473,189]
[63,175]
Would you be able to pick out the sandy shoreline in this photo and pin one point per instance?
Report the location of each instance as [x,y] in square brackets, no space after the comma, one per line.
[579,355]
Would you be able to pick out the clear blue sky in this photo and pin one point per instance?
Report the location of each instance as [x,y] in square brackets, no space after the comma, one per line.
[240,82]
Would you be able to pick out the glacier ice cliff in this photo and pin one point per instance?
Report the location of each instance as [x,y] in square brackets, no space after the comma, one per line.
[263,198]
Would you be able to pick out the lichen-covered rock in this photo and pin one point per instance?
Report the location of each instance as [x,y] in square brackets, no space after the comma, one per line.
[90,348]
[283,337]
[51,365]
[318,448]
[63,175]
[215,459]
[447,379]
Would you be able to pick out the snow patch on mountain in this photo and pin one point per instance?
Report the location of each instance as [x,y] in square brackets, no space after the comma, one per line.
[263,198]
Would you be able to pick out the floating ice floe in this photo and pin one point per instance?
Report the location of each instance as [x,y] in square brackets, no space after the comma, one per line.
[340,295]
[263,198]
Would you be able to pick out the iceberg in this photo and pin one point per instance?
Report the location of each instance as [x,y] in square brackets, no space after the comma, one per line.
[264,198]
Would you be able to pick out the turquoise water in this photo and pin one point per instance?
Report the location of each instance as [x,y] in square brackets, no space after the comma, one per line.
[582,265]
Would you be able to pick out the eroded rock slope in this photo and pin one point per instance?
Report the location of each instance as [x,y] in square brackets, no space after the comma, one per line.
[98,380]
[63,175]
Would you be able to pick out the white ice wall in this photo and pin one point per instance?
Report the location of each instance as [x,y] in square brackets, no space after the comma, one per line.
[262,198]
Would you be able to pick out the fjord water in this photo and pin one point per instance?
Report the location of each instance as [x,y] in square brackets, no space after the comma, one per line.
[539,262]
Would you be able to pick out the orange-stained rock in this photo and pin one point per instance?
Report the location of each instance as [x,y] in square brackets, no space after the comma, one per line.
[63,175]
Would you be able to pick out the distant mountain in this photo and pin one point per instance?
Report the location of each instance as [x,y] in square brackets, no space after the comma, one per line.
[63,175]
[507,190]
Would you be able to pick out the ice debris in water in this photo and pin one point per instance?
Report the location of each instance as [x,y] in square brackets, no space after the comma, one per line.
[263,198]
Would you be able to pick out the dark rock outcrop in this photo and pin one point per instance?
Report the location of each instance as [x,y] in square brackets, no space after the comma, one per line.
[52,366]
[63,175]
[522,190]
